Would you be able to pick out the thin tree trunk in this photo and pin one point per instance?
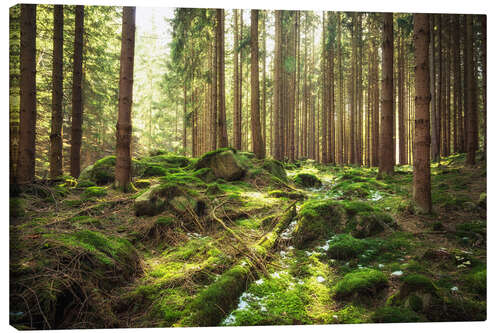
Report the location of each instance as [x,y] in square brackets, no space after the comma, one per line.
[484,79]
[341,92]
[469,91]
[27,115]
[387,121]
[57,95]
[277,86]
[77,108]
[124,125]
[263,114]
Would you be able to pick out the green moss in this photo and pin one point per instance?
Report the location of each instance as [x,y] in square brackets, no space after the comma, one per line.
[482,200]
[73,203]
[351,314]
[355,207]
[344,246]
[94,192]
[389,314]
[477,282]
[101,172]
[224,293]
[154,170]
[364,281]
[17,207]
[417,283]
[142,183]
[317,220]
[294,195]
[164,220]
[214,189]
[368,224]
[85,183]
[205,174]
[287,297]
[307,180]
[275,168]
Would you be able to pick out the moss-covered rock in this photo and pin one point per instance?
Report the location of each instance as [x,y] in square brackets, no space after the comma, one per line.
[214,189]
[307,180]
[390,314]
[418,293]
[101,172]
[317,220]
[275,168]
[353,208]
[223,163]
[155,200]
[366,282]
[367,224]
[437,255]
[85,183]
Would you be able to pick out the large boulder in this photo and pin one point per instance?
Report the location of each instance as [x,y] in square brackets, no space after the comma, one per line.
[317,219]
[101,172]
[156,199]
[170,196]
[224,164]
[275,168]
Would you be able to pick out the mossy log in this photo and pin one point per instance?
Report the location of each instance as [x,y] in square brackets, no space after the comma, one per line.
[216,301]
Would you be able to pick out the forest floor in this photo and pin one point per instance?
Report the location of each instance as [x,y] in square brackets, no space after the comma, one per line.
[318,245]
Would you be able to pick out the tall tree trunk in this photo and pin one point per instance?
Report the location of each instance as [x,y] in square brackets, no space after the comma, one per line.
[422,172]
[401,101]
[27,115]
[124,125]
[257,145]
[77,108]
[57,95]
[484,79]
[277,86]
[237,96]
[263,114]
[434,104]
[341,92]
[387,121]
[213,112]
[352,155]
[469,91]
[221,110]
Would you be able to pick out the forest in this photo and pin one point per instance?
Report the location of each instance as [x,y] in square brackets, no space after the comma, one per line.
[193,167]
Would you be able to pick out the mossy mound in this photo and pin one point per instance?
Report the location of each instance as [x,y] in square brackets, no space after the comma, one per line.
[142,183]
[317,220]
[367,224]
[390,314]
[418,293]
[294,195]
[85,183]
[345,246]
[275,168]
[353,208]
[94,192]
[69,277]
[224,163]
[363,282]
[307,180]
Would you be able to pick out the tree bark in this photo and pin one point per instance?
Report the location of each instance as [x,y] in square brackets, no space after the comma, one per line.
[387,121]
[221,110]
[57,94]
[257,146]
[27,114]
[277,86]
[469,80]
[77,108]
[237,96]
[124,124]
[422,175]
